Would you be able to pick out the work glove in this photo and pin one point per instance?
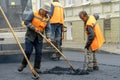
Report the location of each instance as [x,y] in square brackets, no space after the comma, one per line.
[23,24]
[30,26]
[87,47]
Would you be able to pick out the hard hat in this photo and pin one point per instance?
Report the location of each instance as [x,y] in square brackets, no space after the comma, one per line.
[96,16]
[46,7]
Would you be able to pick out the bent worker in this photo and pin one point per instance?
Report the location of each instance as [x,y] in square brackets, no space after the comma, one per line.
[95,39]
[37,21]
[56,21]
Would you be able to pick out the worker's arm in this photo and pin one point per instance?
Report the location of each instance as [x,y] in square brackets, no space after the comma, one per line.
[28,21]
[51,11]
[48,30]
[91,36]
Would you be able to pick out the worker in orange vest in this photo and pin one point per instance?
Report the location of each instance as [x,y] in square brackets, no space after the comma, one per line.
[95,39]
[56,21]
[37,21]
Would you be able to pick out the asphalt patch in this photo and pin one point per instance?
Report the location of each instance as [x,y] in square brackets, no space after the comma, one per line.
[68,71]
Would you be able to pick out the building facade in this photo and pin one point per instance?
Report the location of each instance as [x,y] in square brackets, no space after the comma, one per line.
[108,10]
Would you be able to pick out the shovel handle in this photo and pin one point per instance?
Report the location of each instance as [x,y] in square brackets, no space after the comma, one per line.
[71,66]
[17,40]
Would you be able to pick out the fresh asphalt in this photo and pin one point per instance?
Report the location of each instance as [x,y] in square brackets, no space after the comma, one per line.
[109,68]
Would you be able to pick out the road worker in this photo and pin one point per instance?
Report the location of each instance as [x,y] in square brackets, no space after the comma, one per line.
[37,21]
[95,38]
[56,21]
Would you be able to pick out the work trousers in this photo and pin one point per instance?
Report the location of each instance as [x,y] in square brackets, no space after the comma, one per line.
[92,61]
[29,45]
[56,36]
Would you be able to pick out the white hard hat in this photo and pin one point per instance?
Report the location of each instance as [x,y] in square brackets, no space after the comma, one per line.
[46,7]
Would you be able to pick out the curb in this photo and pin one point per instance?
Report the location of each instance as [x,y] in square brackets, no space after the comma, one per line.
[99,51]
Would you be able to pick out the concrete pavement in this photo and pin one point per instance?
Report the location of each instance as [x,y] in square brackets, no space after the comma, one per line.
[107,47]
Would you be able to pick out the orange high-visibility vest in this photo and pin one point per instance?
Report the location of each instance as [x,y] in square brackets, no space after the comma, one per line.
[39,22]
[58,14]
[98,39]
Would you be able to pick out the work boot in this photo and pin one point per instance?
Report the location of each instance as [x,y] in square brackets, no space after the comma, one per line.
[96,68]
[89,69]
[55,57]
[21,68]
[37,70]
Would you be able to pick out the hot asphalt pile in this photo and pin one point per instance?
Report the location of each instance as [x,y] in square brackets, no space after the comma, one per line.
[62,70]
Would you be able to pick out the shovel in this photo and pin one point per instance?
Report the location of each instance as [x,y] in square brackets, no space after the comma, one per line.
[69,63]
[84,70]
[36,75]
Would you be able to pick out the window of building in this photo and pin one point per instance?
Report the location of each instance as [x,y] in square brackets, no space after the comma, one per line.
[69,2]
[107,23]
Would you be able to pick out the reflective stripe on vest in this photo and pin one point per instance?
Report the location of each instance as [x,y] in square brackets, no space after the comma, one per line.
[58,16]
[39,22]
[98,39]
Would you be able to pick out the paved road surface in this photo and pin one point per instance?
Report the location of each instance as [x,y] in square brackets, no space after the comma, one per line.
[109,69]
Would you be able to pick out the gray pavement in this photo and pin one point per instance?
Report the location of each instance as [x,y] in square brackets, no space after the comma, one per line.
[103,58]
[9,72]
[108,63]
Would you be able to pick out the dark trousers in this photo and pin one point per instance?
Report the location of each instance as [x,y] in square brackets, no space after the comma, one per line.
[56,31]
[57,36]
[38,52]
